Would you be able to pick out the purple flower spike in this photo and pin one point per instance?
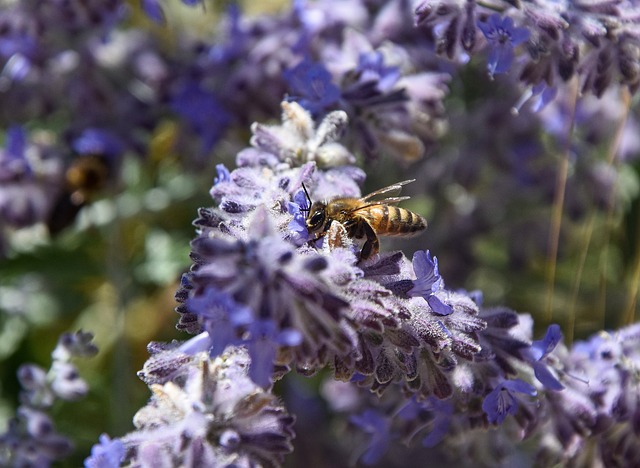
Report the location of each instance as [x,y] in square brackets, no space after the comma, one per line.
[502,37]
[428,281]
[31,438]
[502,400]
[210,413]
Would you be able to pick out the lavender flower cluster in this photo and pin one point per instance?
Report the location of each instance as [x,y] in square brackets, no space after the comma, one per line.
[597,41]
[401,356]
[263,299]
[31,438]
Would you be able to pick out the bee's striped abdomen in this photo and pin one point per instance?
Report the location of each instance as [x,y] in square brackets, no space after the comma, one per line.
[404,222]
[390,220]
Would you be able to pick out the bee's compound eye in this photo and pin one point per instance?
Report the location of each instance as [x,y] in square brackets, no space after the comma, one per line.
[316,218]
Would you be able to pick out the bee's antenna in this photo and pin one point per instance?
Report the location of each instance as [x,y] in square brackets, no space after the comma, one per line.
[308,198]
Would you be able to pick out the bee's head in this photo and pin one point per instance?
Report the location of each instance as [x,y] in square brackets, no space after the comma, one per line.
[316,218]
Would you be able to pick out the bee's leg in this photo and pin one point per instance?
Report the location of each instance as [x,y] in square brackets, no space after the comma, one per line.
[372,244]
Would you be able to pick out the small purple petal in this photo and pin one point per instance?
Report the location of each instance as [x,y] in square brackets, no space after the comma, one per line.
[377,425]
[428,279]
[107,454]
[543,347]
[544,97]
[371,68]
[500,402]
[501,37]
[488,27]
[262,353]
[546,378]
[300,200]
[223,174]
[438,306]
[500,59]
[311,86]
[289,337]
[507,23]
[17,67]
[445,330]
[221,316]
[153,10]
[519,35]
[443,411]
[520,386]
[16,141]
[197,344]
[422,263]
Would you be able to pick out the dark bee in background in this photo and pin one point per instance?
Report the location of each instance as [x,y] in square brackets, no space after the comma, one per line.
[85,177]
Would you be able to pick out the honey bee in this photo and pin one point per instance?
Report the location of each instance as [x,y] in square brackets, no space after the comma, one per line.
[366,217]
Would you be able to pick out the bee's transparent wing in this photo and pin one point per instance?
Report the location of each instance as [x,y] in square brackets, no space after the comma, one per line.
[378,197]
